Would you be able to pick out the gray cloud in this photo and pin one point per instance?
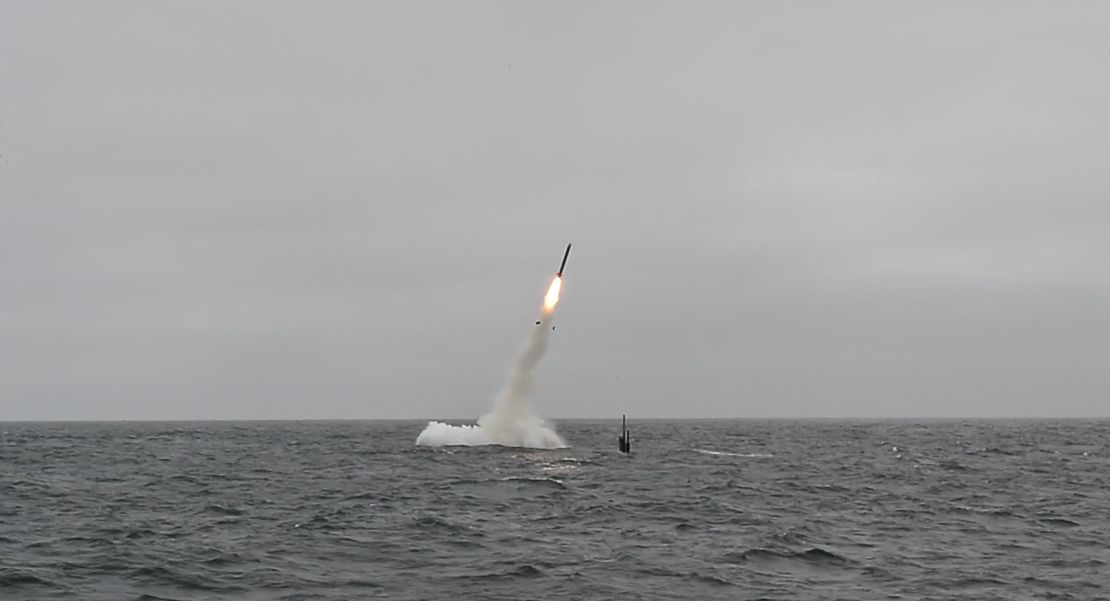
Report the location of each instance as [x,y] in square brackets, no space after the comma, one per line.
[224,210]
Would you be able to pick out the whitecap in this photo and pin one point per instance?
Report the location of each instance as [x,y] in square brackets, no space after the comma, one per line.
[728,454]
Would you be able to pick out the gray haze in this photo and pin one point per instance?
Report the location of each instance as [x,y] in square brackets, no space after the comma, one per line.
[351,210]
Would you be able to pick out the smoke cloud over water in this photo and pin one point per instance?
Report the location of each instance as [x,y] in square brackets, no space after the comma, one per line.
[512,421]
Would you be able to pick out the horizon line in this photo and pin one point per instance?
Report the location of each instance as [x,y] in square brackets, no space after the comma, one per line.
[566,419]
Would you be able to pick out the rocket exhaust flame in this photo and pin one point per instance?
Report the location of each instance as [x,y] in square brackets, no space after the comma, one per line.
[511,421]
[551,299]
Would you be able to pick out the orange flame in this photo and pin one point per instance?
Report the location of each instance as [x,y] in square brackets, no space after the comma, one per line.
[552,297]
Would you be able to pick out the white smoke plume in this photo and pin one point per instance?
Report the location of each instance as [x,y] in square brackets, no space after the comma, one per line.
[512,420]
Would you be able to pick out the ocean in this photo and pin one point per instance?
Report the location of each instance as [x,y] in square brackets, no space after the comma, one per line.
[715,509]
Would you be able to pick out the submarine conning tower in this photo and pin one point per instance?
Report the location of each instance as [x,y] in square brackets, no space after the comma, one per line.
[624,442]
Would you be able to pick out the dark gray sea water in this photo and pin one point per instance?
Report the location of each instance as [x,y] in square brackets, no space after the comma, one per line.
[794,510]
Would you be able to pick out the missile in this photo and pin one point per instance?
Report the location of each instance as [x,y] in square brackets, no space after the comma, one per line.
[563,265]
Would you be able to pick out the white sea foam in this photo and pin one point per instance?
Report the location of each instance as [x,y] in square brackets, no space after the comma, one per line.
[727,454]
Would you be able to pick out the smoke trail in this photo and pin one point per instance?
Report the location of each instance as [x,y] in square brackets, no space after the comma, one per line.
[511,421]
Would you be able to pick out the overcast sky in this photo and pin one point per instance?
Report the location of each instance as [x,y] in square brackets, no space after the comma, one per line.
[272,210]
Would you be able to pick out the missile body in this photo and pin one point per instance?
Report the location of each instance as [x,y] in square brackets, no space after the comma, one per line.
[563,265]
